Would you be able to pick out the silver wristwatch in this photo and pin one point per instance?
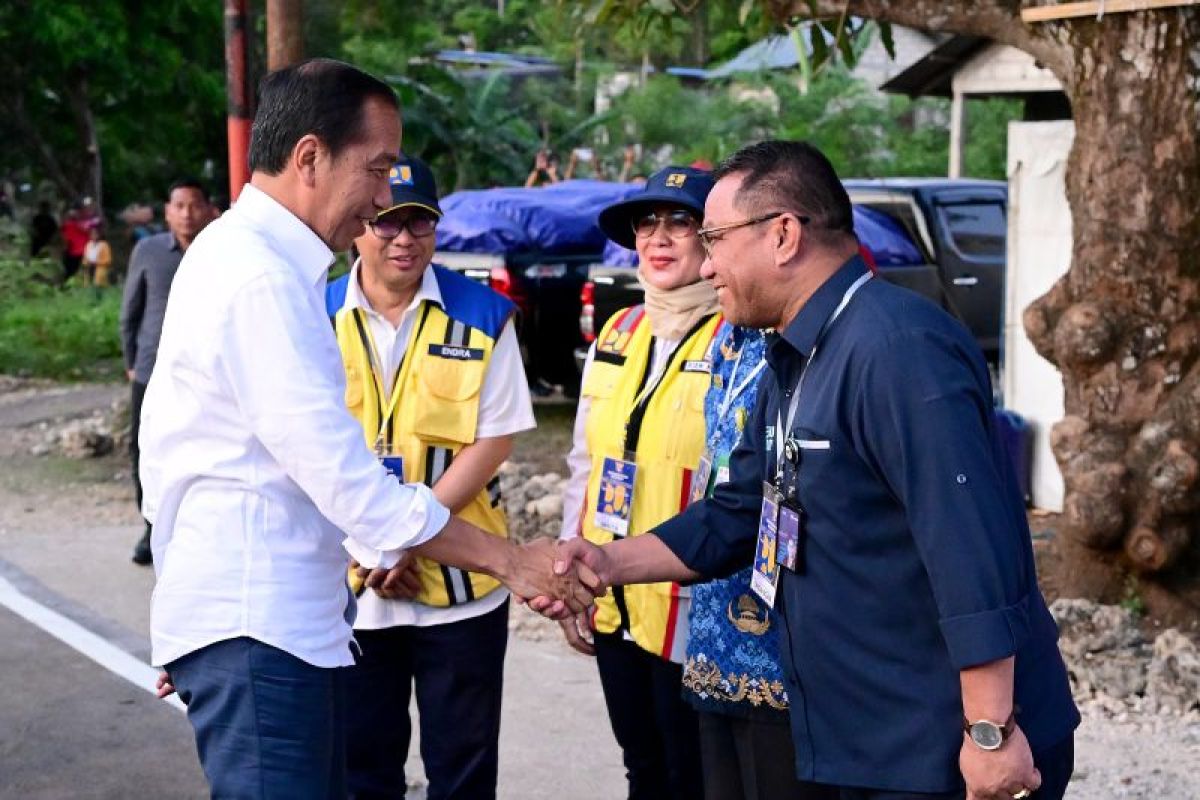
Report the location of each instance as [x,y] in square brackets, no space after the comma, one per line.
[988,735]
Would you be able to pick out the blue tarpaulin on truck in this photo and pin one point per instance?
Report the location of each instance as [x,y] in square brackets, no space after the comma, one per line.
[885,238]
[559,219]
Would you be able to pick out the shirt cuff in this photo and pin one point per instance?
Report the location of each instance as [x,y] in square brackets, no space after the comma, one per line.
[369,557]
[986,636]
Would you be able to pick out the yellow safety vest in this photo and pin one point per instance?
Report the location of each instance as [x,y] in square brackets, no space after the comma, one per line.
[435,409]
[669,445]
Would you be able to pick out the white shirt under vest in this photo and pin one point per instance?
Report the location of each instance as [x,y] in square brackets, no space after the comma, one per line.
[504,408]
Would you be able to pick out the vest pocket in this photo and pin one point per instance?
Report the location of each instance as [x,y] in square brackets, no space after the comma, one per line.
[354,390]
[449,406]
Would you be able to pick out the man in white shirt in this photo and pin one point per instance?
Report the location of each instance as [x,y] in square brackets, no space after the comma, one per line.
[255,475]
[434,375]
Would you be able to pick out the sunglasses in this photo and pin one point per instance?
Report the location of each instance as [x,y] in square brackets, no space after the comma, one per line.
[678,224]
[389,227]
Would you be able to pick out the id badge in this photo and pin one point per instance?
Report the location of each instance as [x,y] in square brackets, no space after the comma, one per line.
[722,466]
[394,466]
[615,501]
[765,576]
[789,538]
[700,478]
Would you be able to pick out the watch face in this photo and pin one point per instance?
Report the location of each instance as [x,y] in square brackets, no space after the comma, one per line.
[987,735]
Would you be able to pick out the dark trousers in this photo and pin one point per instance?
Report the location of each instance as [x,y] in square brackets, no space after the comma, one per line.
[1055,763]
[751,759]
[656,729]
[458,671]
[137,395]
[71,265]
[268,726]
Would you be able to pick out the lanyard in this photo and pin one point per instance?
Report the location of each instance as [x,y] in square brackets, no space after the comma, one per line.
[633,425]
[732,391]
[795,403]
[368,341]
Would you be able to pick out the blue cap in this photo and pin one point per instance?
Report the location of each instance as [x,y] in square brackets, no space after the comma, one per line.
[678,186]
[413,184]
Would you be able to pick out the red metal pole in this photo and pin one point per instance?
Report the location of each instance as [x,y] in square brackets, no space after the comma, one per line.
[240,96]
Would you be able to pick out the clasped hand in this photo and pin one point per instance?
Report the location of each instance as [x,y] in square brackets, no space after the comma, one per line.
[536,573]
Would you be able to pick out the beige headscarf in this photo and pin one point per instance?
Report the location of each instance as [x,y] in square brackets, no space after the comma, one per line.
[673,312]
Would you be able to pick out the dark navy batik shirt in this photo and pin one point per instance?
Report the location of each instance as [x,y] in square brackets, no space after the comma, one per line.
[917,559]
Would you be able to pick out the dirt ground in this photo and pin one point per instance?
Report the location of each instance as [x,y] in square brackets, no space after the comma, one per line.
[70,526]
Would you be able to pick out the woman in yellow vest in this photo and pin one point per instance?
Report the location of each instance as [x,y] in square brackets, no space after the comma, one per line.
[433,373]
[639,435]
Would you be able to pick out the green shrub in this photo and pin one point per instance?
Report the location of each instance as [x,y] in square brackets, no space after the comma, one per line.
[68,334]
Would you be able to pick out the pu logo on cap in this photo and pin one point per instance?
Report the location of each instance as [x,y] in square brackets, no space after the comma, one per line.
[401,175]
[675,180]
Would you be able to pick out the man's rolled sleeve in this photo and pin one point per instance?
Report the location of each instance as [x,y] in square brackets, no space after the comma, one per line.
[931,438]
[986,636]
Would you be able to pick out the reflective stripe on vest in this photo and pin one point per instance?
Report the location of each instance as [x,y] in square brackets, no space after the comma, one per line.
[435,417]
[669,442]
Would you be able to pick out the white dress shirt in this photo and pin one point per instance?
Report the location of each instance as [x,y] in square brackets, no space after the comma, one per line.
[251,465]
[504,408]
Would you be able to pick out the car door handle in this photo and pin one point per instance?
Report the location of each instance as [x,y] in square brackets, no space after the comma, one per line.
[966,280]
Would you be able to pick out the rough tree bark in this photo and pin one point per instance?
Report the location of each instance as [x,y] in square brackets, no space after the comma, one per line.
[1122,325]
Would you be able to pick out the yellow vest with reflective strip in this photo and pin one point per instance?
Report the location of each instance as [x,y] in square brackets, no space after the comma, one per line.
[669,447]
[434,418]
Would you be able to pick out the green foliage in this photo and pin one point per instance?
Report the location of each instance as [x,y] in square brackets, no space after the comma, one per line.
[688,123]
[149,75]
[69,334]
[1131,598]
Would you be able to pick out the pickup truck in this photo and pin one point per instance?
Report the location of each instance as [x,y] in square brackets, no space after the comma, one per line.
[940,237]
[534,246]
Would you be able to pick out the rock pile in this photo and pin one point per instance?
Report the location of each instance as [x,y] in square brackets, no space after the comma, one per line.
[100,433]
[1113,665]
[533,502]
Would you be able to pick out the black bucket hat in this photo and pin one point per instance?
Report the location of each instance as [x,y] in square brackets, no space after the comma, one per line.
[679,186]
[413,184]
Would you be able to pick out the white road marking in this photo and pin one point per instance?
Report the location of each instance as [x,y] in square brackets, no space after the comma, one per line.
[74,635]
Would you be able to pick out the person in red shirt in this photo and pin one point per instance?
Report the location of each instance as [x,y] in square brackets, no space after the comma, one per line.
[75,232]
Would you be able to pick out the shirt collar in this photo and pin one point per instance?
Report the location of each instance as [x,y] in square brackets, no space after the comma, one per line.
[428,290]
[292,236]
[802,332]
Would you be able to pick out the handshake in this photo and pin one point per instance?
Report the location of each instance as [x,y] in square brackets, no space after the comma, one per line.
[557,580]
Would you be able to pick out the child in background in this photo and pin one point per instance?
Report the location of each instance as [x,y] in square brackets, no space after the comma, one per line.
[97,258]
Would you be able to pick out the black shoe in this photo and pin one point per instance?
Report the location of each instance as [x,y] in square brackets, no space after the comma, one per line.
[141,550]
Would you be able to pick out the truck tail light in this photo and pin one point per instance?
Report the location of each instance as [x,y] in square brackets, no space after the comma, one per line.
[587,313]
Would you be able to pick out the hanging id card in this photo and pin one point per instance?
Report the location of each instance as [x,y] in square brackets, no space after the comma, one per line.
[700,478]
[765,576]
[615,501]
[788,551]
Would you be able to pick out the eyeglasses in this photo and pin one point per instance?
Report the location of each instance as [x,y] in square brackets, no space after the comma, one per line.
[389,227]
[708,237]
[678,224]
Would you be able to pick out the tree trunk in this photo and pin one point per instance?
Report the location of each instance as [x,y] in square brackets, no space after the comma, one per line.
[285,33]
[91,181]
[698,37]
[1123,324]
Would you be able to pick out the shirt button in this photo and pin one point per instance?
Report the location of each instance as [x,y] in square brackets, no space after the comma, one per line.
[961,479]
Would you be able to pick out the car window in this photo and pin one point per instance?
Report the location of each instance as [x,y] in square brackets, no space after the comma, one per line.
[975,230]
